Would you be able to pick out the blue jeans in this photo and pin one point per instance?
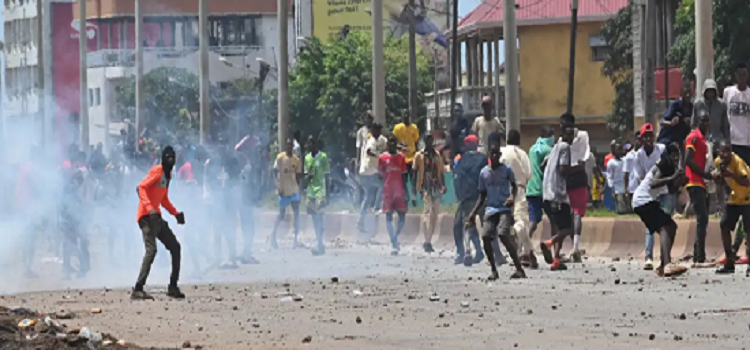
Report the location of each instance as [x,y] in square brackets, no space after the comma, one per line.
[371,185]
[668,203]
[459,222]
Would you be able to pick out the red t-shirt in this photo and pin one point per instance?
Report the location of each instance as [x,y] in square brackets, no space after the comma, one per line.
[697,142]
[392,166]
[186,172]
[607,158]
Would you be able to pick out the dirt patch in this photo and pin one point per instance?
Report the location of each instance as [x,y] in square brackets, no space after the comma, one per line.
[21,328]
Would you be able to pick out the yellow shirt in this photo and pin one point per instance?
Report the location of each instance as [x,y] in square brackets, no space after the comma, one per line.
[288,168]
[597,190]
[408,135]
[740,194]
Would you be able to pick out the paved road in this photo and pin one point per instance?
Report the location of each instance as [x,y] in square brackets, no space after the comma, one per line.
[595,305]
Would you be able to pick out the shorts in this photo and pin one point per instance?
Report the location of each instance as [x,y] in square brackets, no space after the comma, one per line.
[579,199]
[497,224]
[394,202]
[653,217]
[536,205]
[732,215]
[559,214]
[284,201]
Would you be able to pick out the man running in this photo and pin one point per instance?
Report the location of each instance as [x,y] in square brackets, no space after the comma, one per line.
[153,192]
[537,154]
[289,170]
[646,205]
[393,170]
[645,159]
[556,200]
[317,168]
[736,174]
[516,158]
[497,192]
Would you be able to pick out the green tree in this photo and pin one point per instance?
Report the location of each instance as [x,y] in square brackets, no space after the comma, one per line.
[731,20]
[330,87]
[618,67]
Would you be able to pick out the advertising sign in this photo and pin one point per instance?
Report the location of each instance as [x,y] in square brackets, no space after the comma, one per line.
[432,20]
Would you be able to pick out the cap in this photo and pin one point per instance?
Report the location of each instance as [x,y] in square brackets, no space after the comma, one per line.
[471,140]
[647,128]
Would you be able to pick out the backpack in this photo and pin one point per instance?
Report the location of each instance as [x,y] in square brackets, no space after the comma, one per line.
[466,175]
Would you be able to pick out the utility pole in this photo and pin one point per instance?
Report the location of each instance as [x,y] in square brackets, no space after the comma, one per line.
[283,69]
[455,50]
[649,86]
[41,94]
[84,89]
[412,63]
[572,64]
[205,102]
[378,67]
[139,92]
[665,49]
[704,47]
[512,95]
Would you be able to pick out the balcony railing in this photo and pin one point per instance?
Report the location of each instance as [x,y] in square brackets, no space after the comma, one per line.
[126,57]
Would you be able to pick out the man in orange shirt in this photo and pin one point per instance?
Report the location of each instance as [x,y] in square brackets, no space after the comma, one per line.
[153,192]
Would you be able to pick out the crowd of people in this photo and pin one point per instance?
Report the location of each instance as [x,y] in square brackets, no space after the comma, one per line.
[499,187]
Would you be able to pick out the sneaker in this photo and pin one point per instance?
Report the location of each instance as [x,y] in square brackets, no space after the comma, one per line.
[659,271]
[469,260]
[428,248]
[576,257]
[174,292]
[493,277]
[519,274]
[318,251]
[649,265]
[546,248]
[742,261]
[525,260]
[725,270]
[140,295]
[673,270]
[722,261]
[459,260]
[477,258]
[558,265]
[394,252]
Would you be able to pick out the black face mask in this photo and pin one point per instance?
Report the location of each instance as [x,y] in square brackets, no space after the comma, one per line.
[166,164]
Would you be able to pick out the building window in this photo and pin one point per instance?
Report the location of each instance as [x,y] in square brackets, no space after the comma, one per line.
[599,54]
[97,97]
[600,50]
[91,97]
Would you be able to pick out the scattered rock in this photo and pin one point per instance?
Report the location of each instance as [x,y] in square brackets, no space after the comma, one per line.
[186,344]
[434,297]
[652,336]
[358,320]
[677,337]
[683,316]
[529,312]
[615,259]
[307,339]
[334,279]
[64,315]
[617,281]
[96,310]
[464,304]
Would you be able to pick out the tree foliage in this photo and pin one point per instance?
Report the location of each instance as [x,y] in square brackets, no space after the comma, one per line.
[731,24]
[330,87]
[618,67]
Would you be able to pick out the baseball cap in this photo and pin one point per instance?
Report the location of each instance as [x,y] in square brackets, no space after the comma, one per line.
[471,140]
[647,128]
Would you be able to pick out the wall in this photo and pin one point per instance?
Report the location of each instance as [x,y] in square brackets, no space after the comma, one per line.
[544,77]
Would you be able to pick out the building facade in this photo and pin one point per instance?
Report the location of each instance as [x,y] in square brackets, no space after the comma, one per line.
[241,33]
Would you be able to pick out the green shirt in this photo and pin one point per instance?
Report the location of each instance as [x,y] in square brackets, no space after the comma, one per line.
[318,167]
[538,152]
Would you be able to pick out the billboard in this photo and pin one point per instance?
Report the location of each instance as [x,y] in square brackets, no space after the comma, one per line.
[431,21]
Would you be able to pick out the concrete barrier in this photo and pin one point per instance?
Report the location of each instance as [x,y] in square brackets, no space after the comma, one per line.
[609,237]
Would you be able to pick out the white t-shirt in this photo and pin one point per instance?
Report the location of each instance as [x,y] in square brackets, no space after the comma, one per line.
[615,178]
[362,136]
[369,164]
[579,148]
[483,128]
[738,111]
[643,162]
[644,194]
[628,167]
[518,161]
